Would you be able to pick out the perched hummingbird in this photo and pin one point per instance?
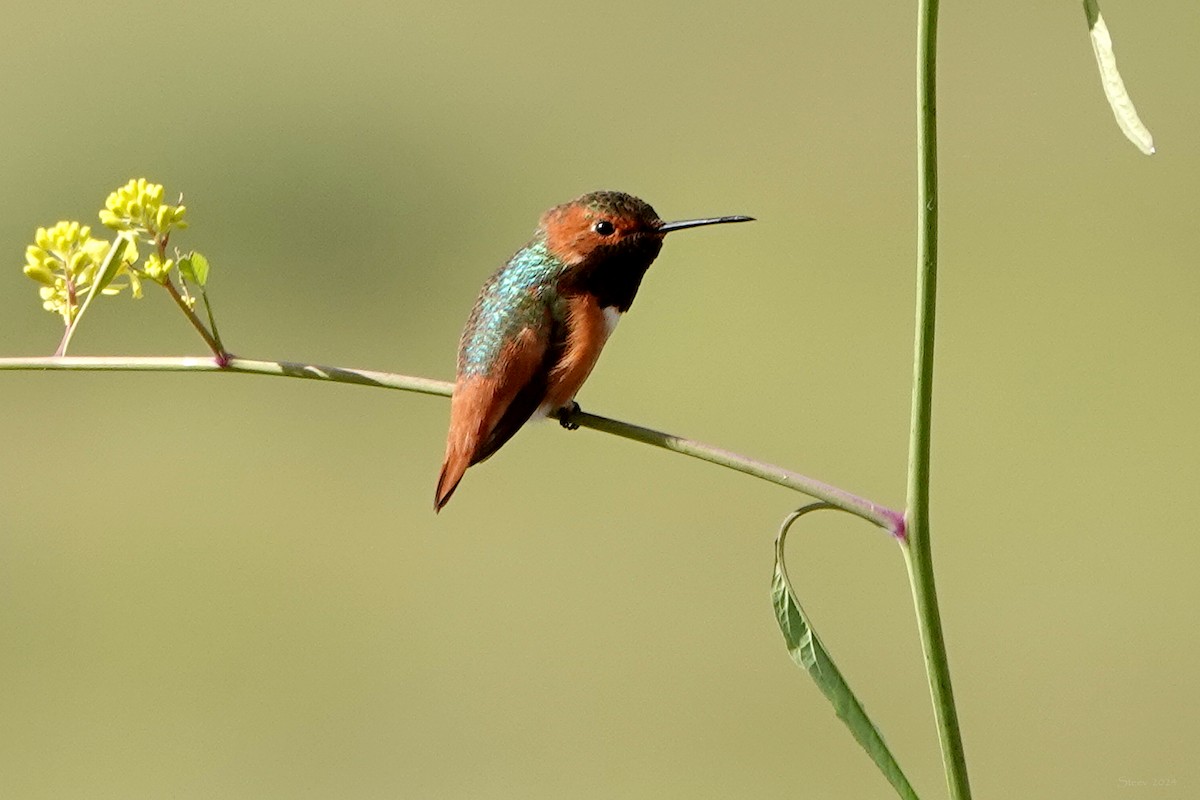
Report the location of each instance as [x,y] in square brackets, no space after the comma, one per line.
[542,319]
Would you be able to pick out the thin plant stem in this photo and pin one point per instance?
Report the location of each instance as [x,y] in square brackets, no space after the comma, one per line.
[209,340]
[836,497]
[212,321]
[246,366]
[65,342]
[880,515]
[918,555]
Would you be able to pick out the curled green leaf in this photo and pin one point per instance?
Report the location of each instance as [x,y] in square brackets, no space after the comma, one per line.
[808,652]
[1110,79]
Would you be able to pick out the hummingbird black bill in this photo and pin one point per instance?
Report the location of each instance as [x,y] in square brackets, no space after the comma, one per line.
[667,227]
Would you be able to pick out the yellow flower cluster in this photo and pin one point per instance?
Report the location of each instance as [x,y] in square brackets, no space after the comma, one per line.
[138,207]
[65,259]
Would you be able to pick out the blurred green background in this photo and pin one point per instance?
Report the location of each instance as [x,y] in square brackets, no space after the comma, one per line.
[235,587]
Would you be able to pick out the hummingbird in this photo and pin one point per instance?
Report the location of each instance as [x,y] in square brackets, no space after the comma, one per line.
[542,319]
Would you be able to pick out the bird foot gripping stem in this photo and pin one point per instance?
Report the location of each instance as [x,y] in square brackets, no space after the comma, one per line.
[564,415]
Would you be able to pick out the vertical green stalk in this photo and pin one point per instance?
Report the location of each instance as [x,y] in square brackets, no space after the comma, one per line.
[917,552]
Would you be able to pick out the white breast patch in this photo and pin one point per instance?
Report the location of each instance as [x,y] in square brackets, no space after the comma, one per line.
[611,318]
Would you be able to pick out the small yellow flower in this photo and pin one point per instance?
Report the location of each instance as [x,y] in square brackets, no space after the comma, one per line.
[65,259]
[138,207]
[135,284]
[156,269]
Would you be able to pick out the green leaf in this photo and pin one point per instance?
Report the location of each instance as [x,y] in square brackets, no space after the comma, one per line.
[1114,88]
[108,270]
[194,267]
[808,652]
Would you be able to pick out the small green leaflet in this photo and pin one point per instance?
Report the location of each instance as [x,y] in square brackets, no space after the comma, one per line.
[1114,88]
[808,652]
[194,267]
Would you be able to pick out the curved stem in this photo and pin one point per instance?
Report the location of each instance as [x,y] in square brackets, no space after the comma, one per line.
[918,555]
[835,497]
[245,366]
[882,516]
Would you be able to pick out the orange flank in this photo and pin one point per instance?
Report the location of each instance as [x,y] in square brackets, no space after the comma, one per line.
[587,331]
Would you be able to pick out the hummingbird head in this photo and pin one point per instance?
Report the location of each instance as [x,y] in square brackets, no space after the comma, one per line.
[607,240]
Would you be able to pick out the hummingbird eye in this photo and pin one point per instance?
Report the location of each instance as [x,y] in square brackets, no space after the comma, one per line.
[604,228]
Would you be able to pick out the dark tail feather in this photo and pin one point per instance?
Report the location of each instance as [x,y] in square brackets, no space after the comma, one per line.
[462,454]
[452,473]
